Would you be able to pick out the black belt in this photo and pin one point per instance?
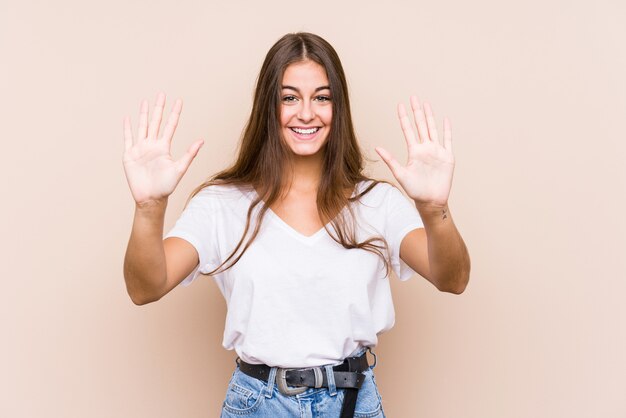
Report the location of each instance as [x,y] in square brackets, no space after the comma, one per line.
[348,375]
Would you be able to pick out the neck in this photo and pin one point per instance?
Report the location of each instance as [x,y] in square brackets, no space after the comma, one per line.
[305,173]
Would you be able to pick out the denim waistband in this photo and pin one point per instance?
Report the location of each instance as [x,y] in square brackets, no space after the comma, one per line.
[327,368]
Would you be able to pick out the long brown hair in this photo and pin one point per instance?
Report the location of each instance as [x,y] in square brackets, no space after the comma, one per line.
[264,157]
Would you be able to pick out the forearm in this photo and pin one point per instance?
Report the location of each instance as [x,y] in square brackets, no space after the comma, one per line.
[447,254]
[144,264]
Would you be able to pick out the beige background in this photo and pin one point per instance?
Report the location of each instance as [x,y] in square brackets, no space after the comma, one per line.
[536,95]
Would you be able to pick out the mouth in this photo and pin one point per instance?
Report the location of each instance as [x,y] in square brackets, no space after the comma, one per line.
[305,133]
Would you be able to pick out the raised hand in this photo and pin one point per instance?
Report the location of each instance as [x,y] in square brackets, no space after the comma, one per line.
[151,172]
[427,176]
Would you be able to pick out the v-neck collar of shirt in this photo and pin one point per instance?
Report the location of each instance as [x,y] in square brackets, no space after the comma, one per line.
[308,239]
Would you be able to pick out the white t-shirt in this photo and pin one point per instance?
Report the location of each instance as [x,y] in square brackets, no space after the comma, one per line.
[296,300]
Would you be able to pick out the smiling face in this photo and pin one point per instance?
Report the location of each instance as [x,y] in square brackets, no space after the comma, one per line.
[306,108]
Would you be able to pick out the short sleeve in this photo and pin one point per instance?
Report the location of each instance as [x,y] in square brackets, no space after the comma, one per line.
[198,226]
[402,218]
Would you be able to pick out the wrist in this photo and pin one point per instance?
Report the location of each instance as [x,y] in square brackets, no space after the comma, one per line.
[433,210]
[150,206]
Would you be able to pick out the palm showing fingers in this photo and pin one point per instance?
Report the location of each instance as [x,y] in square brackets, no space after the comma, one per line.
[427,175]
[151,172]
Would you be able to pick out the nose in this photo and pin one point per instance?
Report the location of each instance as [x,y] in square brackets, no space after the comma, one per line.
[306,112]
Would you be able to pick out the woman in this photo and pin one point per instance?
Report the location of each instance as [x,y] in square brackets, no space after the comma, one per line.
[298,240]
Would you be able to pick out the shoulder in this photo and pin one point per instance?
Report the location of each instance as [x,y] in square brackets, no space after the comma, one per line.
[375,193]
[225,191]
[220,195]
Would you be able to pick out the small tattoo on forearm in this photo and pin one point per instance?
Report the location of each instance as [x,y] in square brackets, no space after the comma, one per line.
[444,214]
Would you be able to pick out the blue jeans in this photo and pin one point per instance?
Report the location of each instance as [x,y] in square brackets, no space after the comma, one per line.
[250,397]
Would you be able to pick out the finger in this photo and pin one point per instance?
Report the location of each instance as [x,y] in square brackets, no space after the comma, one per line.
[420,119]
[391,162]
[407,129]
[184,161]
[430,122]
[128,134]
[447,134]
[155,122]
[172,121]
[143,121]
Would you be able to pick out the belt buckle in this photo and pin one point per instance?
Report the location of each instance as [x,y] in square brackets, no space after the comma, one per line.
[281,382]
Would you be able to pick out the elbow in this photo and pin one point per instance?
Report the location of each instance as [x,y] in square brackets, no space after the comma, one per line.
[457,282]
[140,295]
[138,299]
[141,300]
[455,285]
[456,290]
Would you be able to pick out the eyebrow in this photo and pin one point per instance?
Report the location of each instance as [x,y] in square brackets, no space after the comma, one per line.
[298,90]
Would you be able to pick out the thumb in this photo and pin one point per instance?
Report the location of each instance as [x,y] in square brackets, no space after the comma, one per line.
[184,161]
[391,162]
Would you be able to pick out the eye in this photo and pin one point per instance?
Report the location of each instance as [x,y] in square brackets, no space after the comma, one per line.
[290,98]
[323,98]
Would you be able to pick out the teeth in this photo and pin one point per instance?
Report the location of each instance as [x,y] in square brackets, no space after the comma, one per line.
[305,131]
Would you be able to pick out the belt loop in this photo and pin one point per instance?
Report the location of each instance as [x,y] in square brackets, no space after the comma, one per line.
[270,382]
[375,359]
[330,377]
